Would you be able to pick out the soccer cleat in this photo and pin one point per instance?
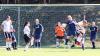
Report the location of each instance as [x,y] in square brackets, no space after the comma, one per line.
[72,46]
[7,49]
[24,50]
[93,48]
[83,47]
[14,48]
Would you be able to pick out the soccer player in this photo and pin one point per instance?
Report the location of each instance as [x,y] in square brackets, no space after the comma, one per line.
[6,26]
[14,43]
[59,33]
[71,29]
[81,33]
[93,32]
[38,29]
[27,34]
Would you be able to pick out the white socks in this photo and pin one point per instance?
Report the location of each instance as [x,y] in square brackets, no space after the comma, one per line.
[57,44]
[26,47]
[8,44]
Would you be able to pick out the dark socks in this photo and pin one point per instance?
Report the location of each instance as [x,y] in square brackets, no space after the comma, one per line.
[35,44]
[14,45]
[83,46]
[75,41]
[93,45]
[66,43]
[39,44]
[72,46]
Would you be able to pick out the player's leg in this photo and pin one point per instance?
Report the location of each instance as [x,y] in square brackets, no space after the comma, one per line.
[67,43]
[6,40]
[12,40]
[9,41]
[38,43]
[27,41]
[73,39]
[66,40]
[93,41]
[93,44]
[35,43]
[14,43]
[36,40]
[83,41]
[39,40]
[57,42]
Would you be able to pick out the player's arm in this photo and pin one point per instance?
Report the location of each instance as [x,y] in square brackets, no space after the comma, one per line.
[2,25]
[97,29]
[56,31]
[33,30]
[42,28]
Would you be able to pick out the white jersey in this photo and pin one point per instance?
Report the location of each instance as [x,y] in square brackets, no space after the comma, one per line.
[27,30]
[6,26]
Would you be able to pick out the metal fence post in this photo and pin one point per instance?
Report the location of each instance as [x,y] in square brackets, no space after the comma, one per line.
[18,25]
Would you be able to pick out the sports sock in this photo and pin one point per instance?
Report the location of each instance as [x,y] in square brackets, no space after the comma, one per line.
[66,41]
[39,44]
[7,44]
[57,44]
[93,44]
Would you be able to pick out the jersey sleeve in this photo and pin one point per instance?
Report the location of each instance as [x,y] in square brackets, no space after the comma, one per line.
[42,28]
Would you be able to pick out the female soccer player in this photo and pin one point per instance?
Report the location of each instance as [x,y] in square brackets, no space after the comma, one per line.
[93,31]
[38,33]
[6,26]
[59,33]
[81,33]
[27,34]
[14,43]
[71,29]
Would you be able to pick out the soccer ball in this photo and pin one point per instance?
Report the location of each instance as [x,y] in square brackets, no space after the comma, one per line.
[64,25]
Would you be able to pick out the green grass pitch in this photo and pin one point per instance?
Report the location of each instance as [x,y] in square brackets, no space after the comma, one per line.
[50,52]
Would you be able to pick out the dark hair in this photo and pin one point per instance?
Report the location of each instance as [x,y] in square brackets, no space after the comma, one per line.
[25,23]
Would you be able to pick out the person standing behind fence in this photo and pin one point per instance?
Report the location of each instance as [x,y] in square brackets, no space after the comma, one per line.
[38,29]
[27,34]
[6,26]
[93,31]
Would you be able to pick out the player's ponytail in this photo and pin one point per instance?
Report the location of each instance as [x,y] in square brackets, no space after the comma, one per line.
[25,24]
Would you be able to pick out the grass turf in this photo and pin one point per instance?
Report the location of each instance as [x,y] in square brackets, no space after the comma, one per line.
[50,52]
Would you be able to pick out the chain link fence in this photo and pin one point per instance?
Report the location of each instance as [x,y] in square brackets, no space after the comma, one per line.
[48,16]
